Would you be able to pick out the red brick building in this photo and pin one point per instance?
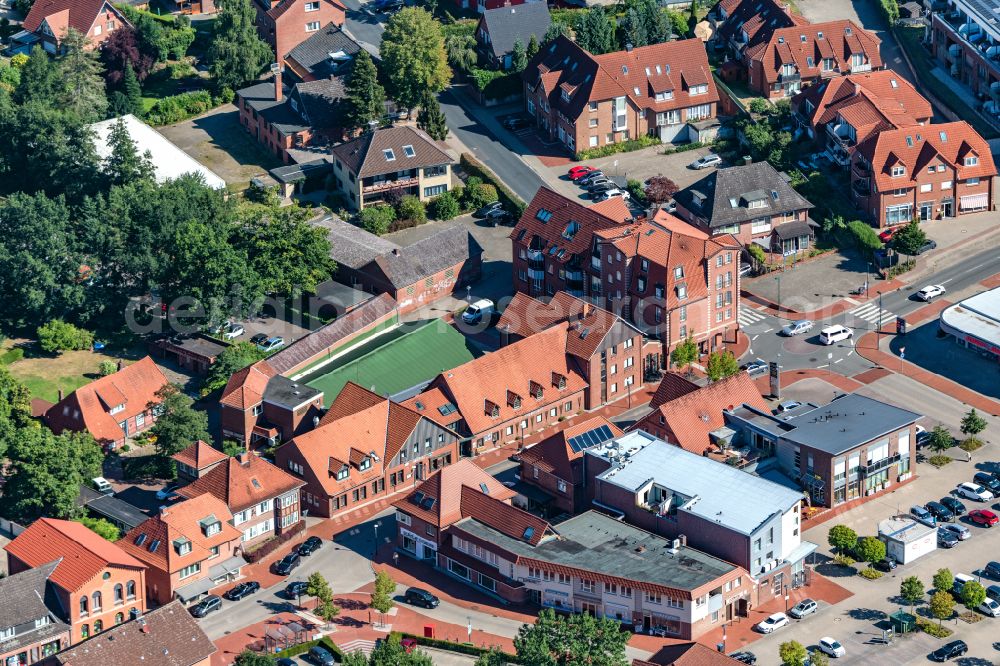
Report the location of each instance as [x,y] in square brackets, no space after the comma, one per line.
[284,24]
[744,24]
[925,173]
[98,583]
[586,101]
[49,20]
[111,408]
[33,624]
[365,448]
[197,460]
[687,654]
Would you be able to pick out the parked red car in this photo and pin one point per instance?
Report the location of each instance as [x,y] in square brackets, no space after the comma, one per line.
[984,517]
[887,235]
[578,172]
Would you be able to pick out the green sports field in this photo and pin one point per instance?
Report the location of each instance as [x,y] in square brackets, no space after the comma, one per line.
[390,364]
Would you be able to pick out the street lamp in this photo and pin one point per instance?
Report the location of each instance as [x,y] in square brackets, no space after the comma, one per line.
[375,554]
[778,279]
[786,598]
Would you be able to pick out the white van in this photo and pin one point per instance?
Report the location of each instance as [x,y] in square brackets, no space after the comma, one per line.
[475,313]
[960,580]
[102,486]
[836,333]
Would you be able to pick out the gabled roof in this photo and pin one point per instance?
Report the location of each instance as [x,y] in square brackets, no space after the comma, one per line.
[555,455]
[243,482]
[366,155]
[276,11]
[671,387]
[893,98]
[165,636]
[82,554]
[199,455]
[436,406]
[26,596]
[758,18]
[690,418]
[245,387]
[154,542]
[445,488]
[840,40]
[317,101]
[506,25]
[919,147]
[88,408]
[451,245]
[687,654]
[62,14]
[725,195]
[327,52]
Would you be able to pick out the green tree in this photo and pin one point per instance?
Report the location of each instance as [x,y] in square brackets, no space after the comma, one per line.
[431,119]
[943,580]
[792,653]
[557,29]
[493,657]
[103,528]
[237,53]
[721,364]
[250,658]
[364,97]
[911,589]
[518,56]
[132,90]
[595,32]
[232,448]
[178,424]
[757,254]
[356,658]
[909,239]
[692,17]
[842,538]
[412,208]
[942,605]
[40,80]
[81,70]
[865,238]
[413,56]
[817,658]
[973,594]
[461,52]
[45,472]
[124,164]
[232,359]
[376,219]
[678,24]
[444,207]
[381,599]
[317,586]
[941,439]
[391,652]
[633,27]
[870,549]
[557,640]
[533,47]
[685,353]
[58,335]
[972,423]
[15,409]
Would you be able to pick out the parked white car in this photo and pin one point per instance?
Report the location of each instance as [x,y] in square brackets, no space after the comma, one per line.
[961,532]
[973,491]
[831,646]
[990,607]
[706,161]
[233,331]
[769,624]
[614,192]
[930,292]
[834,334]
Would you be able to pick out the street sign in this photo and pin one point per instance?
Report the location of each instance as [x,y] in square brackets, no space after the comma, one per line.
[902,352]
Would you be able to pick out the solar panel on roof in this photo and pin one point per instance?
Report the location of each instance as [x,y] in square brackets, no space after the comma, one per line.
[573,444]
[605,433]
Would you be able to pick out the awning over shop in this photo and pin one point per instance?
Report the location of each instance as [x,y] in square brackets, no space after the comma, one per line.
[193,590]
[793,230]
[230,566]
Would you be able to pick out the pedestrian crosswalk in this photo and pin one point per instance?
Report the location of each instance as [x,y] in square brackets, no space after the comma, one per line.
[356,645]
[870,312]
[748,316]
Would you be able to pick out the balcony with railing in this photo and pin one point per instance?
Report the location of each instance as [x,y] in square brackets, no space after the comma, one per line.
[370,185]
[860,188]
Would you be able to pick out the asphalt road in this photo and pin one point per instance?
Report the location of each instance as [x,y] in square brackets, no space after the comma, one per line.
[804,351]
[364,25]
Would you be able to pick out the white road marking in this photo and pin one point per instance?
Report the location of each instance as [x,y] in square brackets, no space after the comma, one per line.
[768,330]
[838,360]
[755,337]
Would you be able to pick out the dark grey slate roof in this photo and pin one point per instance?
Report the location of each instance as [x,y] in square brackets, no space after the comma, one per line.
[508,24]
[365,155]
[428,256]
[598,543]
[293,172]
[284,392]
[727,193]
[112,508]
[260,97]
[352,246]
[793,229]
[326,53]
[317,101]
[26,597]
[847,422]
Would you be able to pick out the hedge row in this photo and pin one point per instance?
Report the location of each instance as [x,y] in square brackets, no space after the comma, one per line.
[177,108]
[461,648]
[302,648]
[639,143]
[495,84]
[511,202]
[273,545]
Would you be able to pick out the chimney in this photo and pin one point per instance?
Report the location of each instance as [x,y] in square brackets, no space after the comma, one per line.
[395,251]
[120,364]
[243,458]
[747,160]
[60,395]
[628,48]
[276,70]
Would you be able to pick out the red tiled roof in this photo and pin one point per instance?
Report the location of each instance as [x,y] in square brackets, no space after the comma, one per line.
[276,12]
[893,98]
[671,387]
[758,18]
[554,455]
[245,388]
[82,554]
[687,654]
[429,404]
[199,455]
[841,39]
[692,416]
[446,487]
[88,408]
[503,517]
[351,400]
[62,14]
[949,143]
[243,482]
[678,226]
[153,540]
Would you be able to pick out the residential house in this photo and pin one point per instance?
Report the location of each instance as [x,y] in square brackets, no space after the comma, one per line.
[297,123]
[392,161]
[753,203]
[486,5]
[188,548]
[48,21]
[753,523]
[433,267]
[284,24]
[32,622]
[587,101]
[842,112]
[690,416]
[365,448]
[112,408]
[96,583]
[849,449]
[196,353]
[197,460]
[965,40]
[499,29]
[166,636]
[263,498]
[744,24]
[555,467]
[437,502]
[687,654]
[328,53]
[925,173]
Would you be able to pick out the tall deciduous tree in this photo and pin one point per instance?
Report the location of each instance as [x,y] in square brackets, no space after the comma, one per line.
[660,189]
[870,549]
[911,589]
[943,580]
[942,605]
[124,164]
[237,54]
[721,364]
[413,56]
[909,239]
[579,638]
[120,50]
[178,424]
[685,353]
[15,409]
[82,72]
[792,653]
[972,423]
[431,119]
[381,599]
[842,538]
[364,97]
[461,51]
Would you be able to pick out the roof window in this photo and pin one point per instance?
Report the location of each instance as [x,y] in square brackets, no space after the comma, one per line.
[624,69]
[528,533]
[543,215]
[944,137]
[389,155]
[408,151]
[894,83]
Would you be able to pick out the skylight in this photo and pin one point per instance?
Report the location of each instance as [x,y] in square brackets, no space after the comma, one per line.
[528,533]
[659,70]
[447,408]
[543,215]
[944,137]
[571,228]
[484,488]
[732,202]
[909,141]
[389,155]
[408,151]
[624,69]
[894,83]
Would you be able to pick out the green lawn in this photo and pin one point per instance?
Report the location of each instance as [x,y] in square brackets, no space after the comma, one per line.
[406,361]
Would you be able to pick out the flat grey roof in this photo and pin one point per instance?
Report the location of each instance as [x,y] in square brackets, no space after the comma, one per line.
[710,490]
[282,391]
[847,422]
[600,544]
[111,507]
[978,316]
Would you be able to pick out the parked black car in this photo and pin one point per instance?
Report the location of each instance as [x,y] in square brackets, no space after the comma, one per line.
[310,546]
[986,480]
[929,245]
[205,606]
[284,566]
[421,597]
[745,657]
[242,590]
[950,651]
[296,588]
[954,504]
[258,339]
[940,511]
[992,569]
[321,656]
[886,564]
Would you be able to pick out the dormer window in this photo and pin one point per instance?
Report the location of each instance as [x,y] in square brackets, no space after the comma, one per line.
[787,70]
[210,526]
[365,463]
[898,171]
[678,272]
[682,291]
[535,389]
[116,408]
[971,160]
[182,546]
[514,400]
[664,95]
[700,89]
[565,96]
[757,203]
[492,409]
[343,473]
